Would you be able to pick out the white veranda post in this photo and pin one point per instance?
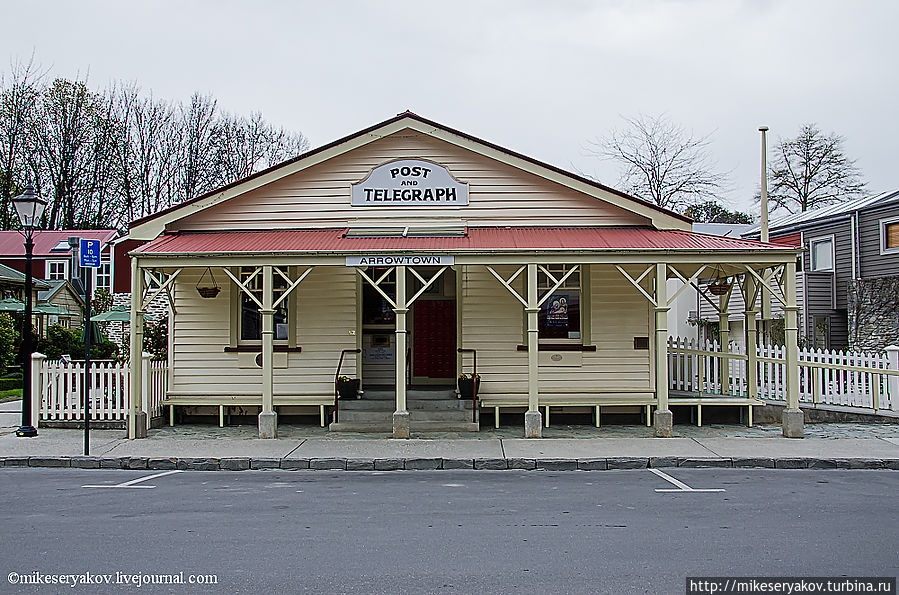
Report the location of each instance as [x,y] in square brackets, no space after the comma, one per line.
[750,293]
[137,419]
[533,422]
[793,420]
[268,419]
[401,421]
[663,418]
[724,339]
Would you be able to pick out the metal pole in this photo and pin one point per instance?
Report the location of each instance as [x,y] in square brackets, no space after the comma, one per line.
[766,296]
[86,385]
[27,430]
[764,205]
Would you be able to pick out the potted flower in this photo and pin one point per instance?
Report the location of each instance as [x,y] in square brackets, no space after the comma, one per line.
[467,385]
[347,388]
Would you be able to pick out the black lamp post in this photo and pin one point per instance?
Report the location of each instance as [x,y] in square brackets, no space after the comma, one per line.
[29,207]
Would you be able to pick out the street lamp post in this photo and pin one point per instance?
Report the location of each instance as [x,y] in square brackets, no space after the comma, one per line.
[29,207]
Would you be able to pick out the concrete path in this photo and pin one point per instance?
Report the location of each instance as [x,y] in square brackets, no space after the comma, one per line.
[810,447]
[10,414]
[398,449]
[605,447]
[168,450]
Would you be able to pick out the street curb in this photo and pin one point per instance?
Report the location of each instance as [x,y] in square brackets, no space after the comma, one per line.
[431,464]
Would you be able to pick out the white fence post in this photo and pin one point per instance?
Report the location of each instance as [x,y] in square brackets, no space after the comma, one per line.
[145,385]
[37,391]
[893,382]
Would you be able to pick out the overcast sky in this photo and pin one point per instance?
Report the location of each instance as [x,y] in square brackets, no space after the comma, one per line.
[542,78]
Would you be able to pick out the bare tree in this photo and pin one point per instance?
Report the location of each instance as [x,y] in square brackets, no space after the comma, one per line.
[662,163]
[811,170]
[105,158]
[72,135]
[18,97]
[196,149]
[147,153]
[247,145]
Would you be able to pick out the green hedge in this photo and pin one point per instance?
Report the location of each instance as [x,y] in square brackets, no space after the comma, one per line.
[10,383]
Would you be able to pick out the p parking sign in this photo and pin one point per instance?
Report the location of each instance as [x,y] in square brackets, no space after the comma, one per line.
[90,253]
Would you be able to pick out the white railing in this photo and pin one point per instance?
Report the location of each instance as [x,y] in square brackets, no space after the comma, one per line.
[867,381]
[57,388]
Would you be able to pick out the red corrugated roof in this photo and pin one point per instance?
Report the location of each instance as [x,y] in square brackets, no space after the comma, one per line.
[477,239]
[13,244]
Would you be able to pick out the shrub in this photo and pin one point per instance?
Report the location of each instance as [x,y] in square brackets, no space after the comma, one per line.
[10,383]
[156,338]
[62,341]
[8,341]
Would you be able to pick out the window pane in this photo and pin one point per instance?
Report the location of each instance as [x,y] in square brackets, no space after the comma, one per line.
[560,316]
[822,255]
[250,318]
[891,232]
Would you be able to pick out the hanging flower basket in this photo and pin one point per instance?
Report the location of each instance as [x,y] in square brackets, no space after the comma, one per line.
[720,286]
[206,290]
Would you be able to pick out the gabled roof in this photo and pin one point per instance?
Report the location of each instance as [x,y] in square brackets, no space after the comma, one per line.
[399,122]
[12,243]
[821,214]
[11,274]
[54,288]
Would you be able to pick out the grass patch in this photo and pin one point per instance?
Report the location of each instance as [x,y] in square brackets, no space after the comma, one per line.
[10,395]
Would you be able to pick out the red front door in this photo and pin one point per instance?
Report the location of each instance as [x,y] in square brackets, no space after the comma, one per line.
[434,339]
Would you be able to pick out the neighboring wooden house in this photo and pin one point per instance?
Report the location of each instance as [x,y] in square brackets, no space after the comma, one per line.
[70,304]
[407,247]
[848,284]
[12,293]
[52,257]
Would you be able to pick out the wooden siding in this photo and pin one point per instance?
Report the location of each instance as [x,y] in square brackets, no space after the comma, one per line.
[326,306]
[493,323]
[842,233]
[499,194]
[873,263]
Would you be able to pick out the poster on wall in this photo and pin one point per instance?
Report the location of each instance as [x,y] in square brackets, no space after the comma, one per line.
[377,355]
[557,310]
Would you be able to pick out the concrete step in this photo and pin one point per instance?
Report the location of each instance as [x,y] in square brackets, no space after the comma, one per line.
[416,394]
[417,415]
[417,426]
[414,404]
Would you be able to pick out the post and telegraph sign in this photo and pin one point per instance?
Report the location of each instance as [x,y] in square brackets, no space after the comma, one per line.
[410,183]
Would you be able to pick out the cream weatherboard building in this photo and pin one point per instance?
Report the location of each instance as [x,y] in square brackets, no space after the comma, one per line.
[407,248]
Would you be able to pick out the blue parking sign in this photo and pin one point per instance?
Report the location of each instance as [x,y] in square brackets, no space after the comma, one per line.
[90,253]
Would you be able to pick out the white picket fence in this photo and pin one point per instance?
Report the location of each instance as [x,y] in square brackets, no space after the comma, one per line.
[57,389]
[864,381]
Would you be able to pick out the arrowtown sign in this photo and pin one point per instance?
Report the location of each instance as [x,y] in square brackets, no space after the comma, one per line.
[409,182]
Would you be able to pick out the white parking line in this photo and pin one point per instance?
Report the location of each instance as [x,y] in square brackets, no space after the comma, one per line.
[681,486]
[133,482]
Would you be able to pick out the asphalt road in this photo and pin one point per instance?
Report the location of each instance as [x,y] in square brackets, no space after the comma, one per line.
[446,531]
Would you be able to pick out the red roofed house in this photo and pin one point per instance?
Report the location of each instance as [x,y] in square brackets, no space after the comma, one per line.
[400,253]
[52,256]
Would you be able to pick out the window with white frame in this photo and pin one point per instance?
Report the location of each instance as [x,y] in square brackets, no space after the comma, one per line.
[559,319]
[889,235]
[57,269]
[104,273]
[250,317]
[822,254]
